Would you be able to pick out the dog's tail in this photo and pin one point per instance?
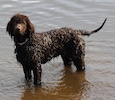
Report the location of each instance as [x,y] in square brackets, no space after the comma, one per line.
[87,33]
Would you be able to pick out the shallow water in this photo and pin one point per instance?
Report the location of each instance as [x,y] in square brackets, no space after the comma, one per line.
[61,83]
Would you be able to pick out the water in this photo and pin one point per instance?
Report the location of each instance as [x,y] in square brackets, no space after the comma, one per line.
[60,83]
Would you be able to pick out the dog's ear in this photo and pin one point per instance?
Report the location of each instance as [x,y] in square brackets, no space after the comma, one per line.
[30,26]
[9,27]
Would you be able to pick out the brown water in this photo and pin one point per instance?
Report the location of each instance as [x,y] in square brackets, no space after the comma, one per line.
[60,83]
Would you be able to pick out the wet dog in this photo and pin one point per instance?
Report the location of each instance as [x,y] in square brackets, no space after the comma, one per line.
[34,49]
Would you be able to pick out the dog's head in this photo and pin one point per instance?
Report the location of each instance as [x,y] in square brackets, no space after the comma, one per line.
[19,25]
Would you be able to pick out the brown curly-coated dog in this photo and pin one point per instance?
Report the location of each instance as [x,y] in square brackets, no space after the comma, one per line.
[34,49]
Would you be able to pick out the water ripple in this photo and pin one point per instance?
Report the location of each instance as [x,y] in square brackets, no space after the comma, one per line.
[36,1]
[61,82]
[7,6]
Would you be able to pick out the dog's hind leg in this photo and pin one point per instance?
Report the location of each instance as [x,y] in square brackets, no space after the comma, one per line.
[66,59]
[79,62]
[78,56]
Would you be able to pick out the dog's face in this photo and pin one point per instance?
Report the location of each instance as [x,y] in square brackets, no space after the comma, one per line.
[19,25]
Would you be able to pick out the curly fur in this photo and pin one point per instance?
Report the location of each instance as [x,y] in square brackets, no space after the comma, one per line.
[34,49]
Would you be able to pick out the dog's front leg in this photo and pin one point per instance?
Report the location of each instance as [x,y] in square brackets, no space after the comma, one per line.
[25,73]
[37,71]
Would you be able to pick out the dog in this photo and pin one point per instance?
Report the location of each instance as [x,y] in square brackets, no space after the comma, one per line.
[33,49]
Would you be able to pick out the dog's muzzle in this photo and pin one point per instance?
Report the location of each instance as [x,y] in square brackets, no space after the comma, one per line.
[20,29]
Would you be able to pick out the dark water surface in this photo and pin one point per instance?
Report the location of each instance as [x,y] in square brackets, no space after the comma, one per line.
[60,83]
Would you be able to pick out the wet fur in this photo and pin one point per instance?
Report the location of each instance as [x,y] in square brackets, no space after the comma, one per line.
[34,49]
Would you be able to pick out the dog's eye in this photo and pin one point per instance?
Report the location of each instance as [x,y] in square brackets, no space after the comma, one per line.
[18,20]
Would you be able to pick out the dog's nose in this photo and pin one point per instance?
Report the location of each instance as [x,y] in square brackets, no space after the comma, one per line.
[17,29]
